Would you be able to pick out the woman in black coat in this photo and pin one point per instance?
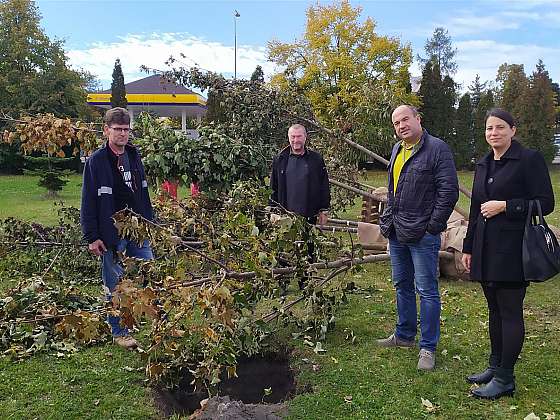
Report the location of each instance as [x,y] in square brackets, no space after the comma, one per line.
[505,180]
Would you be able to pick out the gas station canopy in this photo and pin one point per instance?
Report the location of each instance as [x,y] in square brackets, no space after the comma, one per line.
[157,95]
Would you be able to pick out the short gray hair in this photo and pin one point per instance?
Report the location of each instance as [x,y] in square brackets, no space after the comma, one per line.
[413,109]
[298,127]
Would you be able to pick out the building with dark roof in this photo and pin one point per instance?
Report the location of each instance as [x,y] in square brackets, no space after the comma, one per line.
[159,96]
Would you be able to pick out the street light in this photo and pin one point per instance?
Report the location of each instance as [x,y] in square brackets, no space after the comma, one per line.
[235,16]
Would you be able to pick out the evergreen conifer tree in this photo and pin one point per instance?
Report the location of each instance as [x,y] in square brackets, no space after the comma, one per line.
[258,75]
[438,101]
[118,91]
[440,51]
[463,147]
[485,103]
[431,94]
[536,127]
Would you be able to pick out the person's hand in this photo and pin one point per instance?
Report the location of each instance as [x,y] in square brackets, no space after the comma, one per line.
[97,248]
[323,216]
[492,208]
[466,260]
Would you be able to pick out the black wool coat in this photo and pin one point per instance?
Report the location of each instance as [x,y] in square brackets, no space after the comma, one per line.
[496,243]
[318,192]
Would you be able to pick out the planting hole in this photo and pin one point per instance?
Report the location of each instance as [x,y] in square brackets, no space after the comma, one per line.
[260,379]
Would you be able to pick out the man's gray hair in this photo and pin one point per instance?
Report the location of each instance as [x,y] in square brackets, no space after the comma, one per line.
[298,127]
[413,109]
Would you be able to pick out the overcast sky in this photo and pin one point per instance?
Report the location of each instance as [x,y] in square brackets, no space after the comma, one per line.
[140,32]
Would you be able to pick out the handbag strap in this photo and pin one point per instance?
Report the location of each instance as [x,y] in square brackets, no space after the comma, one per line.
[539,212]
[528,221]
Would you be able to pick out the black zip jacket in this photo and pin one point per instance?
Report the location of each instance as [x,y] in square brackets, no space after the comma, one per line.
[318,189]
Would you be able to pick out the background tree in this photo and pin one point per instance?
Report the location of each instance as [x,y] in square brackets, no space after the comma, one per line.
[463,140]
[512,85]
[538,116]
[352,76]
[556,89]
[258,75]
[34,75]
[431,94]
[449,99]
[439,50]
[118,91]
[438,101]
[214,107]
[476,91]
[485,103]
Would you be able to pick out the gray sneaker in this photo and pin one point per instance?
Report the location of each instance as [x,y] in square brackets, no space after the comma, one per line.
[394,341]
[426,360]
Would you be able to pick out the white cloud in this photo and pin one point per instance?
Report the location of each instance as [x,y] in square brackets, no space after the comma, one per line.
[547,18]
[483,57]
[531,4]
[502,16]
[469,24]
[153,50]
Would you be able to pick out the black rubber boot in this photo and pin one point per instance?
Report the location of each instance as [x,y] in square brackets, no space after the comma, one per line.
[487,375]
[502,384]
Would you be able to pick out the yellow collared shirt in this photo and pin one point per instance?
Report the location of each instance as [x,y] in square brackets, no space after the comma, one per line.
[403,155]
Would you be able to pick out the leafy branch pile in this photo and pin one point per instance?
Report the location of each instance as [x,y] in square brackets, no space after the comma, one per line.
[47,310]
[224,271]
[57,253]
[37,317]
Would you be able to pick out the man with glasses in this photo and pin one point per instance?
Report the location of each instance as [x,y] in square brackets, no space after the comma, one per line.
[114,179]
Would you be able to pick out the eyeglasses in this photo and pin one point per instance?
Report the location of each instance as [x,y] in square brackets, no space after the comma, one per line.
[120,129]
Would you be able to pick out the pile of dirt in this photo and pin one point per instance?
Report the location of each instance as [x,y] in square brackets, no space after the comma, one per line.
[223,408]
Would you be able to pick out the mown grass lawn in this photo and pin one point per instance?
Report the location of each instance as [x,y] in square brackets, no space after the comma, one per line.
[356,380]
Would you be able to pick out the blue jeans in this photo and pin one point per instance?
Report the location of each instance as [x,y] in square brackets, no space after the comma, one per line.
[112,271]
[415,268]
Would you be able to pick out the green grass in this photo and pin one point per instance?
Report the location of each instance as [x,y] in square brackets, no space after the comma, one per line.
[384,383]
[102,382]
[21,197]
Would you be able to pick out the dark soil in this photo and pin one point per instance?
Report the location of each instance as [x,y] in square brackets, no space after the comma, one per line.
[262,381]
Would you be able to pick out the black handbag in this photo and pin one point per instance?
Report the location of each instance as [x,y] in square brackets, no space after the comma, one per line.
[541,253]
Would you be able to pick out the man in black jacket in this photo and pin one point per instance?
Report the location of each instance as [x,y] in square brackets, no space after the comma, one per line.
[299,179]
[423,190]
[300,183]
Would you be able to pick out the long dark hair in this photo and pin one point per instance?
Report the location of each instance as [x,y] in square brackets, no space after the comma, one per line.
[502,114]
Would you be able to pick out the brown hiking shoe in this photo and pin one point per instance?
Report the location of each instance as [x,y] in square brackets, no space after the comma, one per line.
[126,341]
[394,341]
[426,360]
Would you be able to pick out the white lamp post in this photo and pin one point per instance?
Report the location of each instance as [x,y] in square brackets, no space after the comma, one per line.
[235,16]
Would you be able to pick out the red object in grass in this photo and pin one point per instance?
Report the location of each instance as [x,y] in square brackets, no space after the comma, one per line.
[195,191]
[171,188]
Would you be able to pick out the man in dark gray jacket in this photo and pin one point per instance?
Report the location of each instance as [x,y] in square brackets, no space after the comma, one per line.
[423,190]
